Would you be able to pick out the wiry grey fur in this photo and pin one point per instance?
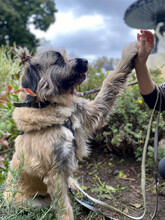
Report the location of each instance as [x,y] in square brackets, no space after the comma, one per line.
[22,52]
[48,146]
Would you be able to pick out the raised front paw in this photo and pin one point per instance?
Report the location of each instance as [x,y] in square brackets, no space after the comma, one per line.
[127,62]
[130,51]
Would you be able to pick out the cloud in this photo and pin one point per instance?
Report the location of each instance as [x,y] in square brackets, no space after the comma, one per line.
[92,43]
[86,7]
[90,29]
[67,23]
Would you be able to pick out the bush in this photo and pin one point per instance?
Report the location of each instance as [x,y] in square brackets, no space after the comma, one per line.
[9,75]
[126,128]
[9,70]
[125,131]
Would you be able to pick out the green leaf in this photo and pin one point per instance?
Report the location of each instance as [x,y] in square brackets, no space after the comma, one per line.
[110,188]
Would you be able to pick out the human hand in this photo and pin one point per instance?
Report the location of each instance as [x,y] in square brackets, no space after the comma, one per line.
[146,44]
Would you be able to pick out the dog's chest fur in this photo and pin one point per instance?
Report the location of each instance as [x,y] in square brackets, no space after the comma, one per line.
[46,141]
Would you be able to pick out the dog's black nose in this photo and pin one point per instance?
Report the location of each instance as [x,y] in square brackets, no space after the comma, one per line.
[80,65]
[85,61]
[81,60]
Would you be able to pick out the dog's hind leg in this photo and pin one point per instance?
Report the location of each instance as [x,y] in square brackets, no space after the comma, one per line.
[57,188]
[19,200]
[39,201]
[14,196]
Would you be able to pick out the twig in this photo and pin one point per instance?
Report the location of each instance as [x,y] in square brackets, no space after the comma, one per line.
[6,151]
[132,83]
[93,91]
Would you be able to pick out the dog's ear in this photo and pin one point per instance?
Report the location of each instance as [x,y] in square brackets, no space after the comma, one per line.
[45,88]
[30,79]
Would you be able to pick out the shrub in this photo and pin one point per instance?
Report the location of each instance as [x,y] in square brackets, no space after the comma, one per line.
[126,129]
[9,74]
[9,70]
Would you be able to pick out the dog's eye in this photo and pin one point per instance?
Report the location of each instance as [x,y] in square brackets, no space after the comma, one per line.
[38,66]
[58,54]
[59,61]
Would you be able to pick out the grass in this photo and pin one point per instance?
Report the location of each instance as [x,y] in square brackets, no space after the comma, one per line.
[22,213]
[11,212]
[8,68]
[100,188]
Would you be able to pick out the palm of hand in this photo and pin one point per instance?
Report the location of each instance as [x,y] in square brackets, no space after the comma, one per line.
[144,50]
[146,40]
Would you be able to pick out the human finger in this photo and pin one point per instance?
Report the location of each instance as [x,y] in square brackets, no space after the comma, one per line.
[149,38]
[138,36]
[143,38]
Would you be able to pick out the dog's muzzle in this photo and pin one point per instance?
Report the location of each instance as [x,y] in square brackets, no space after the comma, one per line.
[80,67]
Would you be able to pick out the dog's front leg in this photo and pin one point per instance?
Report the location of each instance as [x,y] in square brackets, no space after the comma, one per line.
[57,188]
[98,109]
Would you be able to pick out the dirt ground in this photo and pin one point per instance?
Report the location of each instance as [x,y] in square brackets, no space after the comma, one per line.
[116,181]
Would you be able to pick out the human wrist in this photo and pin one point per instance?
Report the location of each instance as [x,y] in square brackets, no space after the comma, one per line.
[140,62]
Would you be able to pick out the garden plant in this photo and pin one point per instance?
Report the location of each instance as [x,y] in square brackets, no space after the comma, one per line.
[123,134]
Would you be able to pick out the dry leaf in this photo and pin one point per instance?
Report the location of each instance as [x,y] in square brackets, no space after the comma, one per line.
[137,205]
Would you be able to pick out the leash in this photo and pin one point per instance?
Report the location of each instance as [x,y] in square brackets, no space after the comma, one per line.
[156,156]
[89,205]
[143,176]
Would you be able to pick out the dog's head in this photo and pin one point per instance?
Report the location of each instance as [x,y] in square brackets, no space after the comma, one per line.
[51,73]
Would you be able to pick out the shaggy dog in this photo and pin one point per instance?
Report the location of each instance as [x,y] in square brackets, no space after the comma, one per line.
[56,125]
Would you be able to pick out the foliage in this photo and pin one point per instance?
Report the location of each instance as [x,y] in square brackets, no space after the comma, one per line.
[126,129]
[103,189]
[9,70]
[124,133]
[9,73]
[1,163]
[94,81]
[97,64]
[17,15]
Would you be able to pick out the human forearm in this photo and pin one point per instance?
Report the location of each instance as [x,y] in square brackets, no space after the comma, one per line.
[146,44]
[146,85]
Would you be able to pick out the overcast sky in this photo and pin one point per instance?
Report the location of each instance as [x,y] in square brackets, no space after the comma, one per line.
[90,28]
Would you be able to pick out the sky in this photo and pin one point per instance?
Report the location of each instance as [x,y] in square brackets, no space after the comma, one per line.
[89,28]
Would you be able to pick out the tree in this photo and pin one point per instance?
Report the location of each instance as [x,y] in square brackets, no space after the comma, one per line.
[17,15]
[104,60]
